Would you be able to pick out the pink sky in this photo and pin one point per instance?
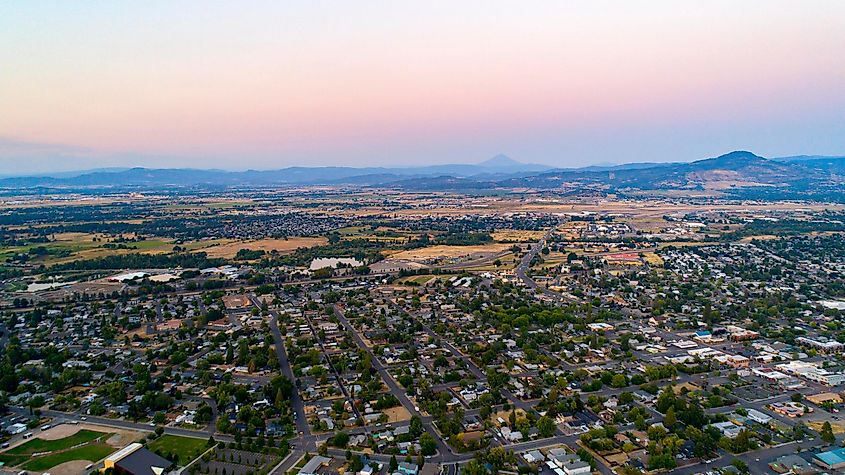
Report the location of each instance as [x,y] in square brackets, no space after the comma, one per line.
[272,84]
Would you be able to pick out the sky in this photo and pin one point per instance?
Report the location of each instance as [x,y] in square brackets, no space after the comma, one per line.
[253,84]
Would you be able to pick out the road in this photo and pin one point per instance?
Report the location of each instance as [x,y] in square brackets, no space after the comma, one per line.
[392,385]
[521,271]
[122,424]
[284,365]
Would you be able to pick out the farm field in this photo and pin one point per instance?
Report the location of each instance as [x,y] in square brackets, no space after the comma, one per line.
[67,247]
[229,248]
[450,252]
[515,235]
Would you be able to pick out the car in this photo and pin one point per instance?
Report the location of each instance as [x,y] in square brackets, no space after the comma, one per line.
[83,418]
[5,445]
[45,427]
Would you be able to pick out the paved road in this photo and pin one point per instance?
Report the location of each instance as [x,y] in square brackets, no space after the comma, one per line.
[756,460]
[121,424]
[521,271]
[394,388]
[284,364]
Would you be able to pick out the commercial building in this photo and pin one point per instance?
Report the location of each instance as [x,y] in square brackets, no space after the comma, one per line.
[134,459]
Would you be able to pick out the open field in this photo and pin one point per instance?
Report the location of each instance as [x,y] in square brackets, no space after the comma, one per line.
[48,445]
[397,414]
[61,444]
[229,248]
[88,452]
[186,448]
[450,252]
[416,279]
[381,233]
[67,247]
[516,235]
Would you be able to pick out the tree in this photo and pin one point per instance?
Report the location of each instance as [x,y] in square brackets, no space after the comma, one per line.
[394,465]
[159,418]
[341,439]
[740,465]
[670,420]
[827,433]
[474,467]
[415,427]
[619,381]
[546,426]
[428,446]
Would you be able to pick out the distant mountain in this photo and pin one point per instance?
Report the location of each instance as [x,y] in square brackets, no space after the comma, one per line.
[738,174]
[801,158]
[499,166]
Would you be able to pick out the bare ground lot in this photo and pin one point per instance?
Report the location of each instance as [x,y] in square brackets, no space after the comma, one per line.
[119,438]
[397,414]
[74,467]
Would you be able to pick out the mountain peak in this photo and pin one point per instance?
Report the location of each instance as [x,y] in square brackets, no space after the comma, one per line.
[729,160]
[500,160]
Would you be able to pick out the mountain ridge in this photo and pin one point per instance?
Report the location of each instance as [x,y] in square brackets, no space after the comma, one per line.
[737,170]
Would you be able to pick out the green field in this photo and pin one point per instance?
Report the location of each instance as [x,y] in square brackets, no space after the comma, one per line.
[10,460]
[40,445]
[90,452]
[186,448]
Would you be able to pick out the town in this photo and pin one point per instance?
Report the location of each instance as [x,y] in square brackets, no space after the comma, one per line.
[396,333]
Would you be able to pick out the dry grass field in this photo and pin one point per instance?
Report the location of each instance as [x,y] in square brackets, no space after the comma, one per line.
[228,248]
[450,252]
[517,235]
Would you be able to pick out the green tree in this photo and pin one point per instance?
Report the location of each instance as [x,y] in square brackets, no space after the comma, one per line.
[827,433]
[546,426]
[428,446]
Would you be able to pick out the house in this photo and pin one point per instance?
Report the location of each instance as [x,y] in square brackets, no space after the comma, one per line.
[759,417]
[728,429]
[792,463]
[408,468]
[569,464]
[134,459]
[533,457]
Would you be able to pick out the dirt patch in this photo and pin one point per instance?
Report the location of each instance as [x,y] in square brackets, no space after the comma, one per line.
[74,467]
[282,246]
[396,414]
[60,432]
[120,437]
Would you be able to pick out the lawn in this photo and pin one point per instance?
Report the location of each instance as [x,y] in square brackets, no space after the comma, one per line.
[10,460]
[90,452]
[186,448]
[41,445]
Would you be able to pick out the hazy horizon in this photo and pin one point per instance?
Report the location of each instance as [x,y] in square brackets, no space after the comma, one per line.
[265,85]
